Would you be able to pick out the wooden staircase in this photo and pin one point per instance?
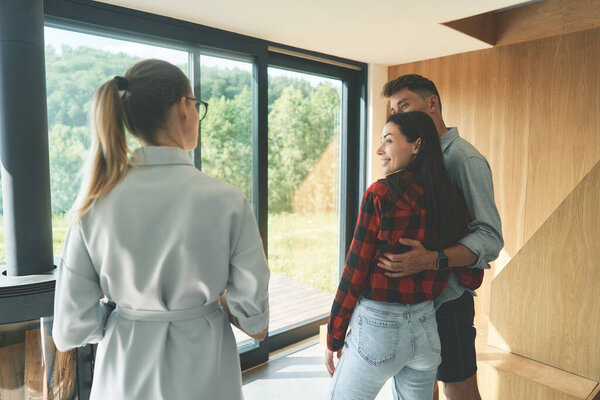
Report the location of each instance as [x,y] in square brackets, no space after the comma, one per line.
[504,375]
[542,340]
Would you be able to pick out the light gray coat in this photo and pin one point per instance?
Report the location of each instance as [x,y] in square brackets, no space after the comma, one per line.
[163,244]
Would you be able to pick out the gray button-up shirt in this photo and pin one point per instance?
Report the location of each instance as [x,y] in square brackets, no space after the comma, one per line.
[470,171]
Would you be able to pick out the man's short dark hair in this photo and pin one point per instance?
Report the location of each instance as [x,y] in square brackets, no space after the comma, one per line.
[413,82]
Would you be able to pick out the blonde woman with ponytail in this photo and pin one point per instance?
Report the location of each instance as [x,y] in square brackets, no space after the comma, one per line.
[162,242]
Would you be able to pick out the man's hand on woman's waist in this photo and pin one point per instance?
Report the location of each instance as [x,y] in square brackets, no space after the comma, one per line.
[419,259]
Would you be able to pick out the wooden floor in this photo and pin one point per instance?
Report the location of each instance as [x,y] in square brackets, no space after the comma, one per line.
[294,373]
[292,302]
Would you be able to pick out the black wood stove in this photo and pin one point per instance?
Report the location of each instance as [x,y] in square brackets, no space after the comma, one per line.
[30,365]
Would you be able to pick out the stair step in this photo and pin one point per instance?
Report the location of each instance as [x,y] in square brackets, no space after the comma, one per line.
[554,379]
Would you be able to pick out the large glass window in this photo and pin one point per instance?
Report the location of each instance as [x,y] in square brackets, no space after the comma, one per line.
[304,182]
[2,242]
[226,132]
[301,174]
[76,65]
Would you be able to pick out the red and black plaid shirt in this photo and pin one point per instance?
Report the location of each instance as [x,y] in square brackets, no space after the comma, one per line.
[383,220]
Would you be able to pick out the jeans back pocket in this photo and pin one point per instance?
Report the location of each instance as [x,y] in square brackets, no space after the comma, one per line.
[430,326]
[377,339]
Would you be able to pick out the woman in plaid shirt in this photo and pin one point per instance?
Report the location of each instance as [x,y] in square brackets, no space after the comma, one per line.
[393,330]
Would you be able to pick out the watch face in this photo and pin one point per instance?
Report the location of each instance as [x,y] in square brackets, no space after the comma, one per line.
[442,262]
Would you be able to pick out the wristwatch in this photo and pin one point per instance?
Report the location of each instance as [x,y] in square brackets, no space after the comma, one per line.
[442,261]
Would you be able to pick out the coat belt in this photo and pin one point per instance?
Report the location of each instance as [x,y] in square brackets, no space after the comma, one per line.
[168,315]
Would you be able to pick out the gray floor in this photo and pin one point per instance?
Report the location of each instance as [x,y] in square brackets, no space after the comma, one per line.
[296,374]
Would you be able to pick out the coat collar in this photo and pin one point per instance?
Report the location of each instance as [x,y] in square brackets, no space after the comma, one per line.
[161,155]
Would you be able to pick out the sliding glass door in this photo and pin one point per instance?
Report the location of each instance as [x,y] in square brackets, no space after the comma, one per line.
[302,158]
[225,148]
[304,195]
[305,218]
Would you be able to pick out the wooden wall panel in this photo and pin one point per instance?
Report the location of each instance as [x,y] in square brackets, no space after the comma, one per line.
[530,22]
[511,128]
[565,122]
[533,110]
[546,18]
[544,304]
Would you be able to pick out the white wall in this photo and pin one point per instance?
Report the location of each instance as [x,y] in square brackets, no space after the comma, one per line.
[377,114]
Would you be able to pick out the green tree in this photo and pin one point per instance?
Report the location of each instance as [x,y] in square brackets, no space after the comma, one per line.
[300,128]
[226,138]
[302,121]
[277,84]
[219,82]
[72,78]
[68,149]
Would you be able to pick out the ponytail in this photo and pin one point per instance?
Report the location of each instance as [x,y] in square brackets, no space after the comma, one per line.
[109,156]
[140,102]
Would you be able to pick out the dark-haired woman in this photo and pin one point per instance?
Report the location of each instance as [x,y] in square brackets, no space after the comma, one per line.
[393,330]
[163,241]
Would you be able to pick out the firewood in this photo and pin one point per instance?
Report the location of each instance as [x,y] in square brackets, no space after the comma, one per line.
[35,374]
[62,382]
[12,366]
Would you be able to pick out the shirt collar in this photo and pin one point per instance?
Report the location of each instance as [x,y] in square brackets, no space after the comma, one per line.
[161,155]
[404,175]
[448,138]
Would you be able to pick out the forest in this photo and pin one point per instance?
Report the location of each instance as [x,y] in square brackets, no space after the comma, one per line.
[302,122]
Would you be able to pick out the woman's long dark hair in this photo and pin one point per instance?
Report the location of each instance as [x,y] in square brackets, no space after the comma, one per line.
[447,222]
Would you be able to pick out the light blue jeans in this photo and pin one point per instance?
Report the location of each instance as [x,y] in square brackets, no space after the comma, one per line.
[388,340]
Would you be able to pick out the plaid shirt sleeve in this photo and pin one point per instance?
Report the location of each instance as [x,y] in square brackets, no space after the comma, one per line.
[470,277]
[356,271]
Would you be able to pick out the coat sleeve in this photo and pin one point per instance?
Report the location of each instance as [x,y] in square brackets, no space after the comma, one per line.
[247,286]
[79,317]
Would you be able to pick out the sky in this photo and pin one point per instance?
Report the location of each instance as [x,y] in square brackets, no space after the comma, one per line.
[59,37]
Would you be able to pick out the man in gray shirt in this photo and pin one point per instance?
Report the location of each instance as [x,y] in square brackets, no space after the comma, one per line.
[471,173]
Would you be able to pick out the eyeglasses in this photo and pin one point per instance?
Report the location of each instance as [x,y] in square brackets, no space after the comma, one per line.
[201,106]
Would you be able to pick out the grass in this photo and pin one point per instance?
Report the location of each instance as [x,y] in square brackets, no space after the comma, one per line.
[303,247]
[60,226]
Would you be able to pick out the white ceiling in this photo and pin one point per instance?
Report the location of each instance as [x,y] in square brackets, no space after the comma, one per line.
[384,32]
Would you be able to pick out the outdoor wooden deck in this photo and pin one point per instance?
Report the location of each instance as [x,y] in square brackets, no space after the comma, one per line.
[292,302]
